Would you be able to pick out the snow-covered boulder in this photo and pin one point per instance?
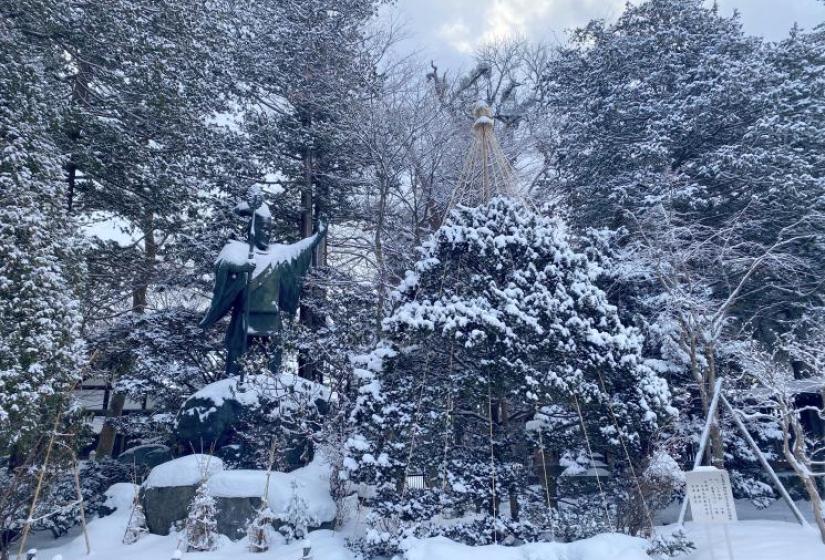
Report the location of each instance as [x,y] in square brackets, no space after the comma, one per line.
[146,456]
[170,487]
[238,495]
[209,416]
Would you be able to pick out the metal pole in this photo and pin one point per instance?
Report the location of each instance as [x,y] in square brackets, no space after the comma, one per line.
[765,464]
[703,440]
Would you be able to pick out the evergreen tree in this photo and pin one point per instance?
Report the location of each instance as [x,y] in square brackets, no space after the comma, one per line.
[297,518]
[498,335]
[695,143]
[41,350]
[639,99]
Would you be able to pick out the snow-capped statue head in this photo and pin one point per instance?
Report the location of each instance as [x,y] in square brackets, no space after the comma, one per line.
[260,225]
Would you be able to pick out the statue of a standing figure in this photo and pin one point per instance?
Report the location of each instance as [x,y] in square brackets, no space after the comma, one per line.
[255,281]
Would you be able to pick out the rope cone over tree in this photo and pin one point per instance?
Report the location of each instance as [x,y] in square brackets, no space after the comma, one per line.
[500,343]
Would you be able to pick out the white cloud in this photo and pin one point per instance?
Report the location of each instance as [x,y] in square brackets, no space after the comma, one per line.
[458,36]
[450,30]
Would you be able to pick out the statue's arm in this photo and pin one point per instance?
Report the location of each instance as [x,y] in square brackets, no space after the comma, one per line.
[291,274]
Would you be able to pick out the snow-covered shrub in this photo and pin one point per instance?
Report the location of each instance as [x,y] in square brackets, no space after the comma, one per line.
[137,523]
[297,519]
[287,415]
[499,337]
[201,526]
[260,529]
[95,478]
[670,546]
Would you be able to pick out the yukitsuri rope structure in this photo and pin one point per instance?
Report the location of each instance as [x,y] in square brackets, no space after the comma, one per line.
[486,172]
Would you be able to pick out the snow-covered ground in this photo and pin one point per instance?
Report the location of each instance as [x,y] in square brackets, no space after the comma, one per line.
[765,539]
[755,540]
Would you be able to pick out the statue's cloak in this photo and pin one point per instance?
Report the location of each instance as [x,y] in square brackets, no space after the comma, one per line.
[274,287]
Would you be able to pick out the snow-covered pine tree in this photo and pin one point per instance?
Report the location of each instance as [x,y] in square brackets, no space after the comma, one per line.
[201,526]
[499,333]
[259,531]
[640,98]
[136,124]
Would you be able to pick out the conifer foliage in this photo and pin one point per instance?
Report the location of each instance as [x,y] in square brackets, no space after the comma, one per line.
[40,348]
[499,333]
[297,518]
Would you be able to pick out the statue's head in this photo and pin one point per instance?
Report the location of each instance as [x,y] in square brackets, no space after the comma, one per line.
[260,220]
[260,231]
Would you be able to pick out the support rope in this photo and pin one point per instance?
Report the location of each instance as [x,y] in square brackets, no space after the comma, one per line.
[619,432]
[596,469]
[492,461]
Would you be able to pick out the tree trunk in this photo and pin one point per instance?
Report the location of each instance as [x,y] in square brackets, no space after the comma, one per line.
[717,449]
[106,443]
[79,98]
[306,364]
[797,455]
[379,250]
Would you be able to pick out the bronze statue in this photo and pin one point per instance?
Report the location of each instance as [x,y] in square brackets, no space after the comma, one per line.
[256,281]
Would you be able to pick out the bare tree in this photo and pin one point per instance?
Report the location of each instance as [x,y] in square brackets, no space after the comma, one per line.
[774,397]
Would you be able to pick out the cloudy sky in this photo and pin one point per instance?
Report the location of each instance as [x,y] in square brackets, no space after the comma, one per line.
[447,30]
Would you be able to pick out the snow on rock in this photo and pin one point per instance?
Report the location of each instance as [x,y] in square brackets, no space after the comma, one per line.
[311,481]
[184,471]
[600,547]
[255,386]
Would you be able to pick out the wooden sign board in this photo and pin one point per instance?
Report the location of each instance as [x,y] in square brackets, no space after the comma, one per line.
[710,495]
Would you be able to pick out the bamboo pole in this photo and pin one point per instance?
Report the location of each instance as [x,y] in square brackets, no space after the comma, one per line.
[82,508]
[39,486]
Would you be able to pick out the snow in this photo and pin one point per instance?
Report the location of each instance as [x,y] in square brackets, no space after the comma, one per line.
[755,540]
[184,471]
[761,539]
[237,253]
[262,211]
[109,227]
[311,481]
[600,547]
[105,536]
[274,386]
[665,467]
